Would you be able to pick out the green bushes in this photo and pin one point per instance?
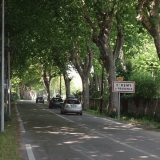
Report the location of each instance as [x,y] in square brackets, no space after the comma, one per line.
[14,96]
[146,85]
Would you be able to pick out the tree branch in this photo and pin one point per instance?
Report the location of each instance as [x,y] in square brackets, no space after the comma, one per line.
[120,38]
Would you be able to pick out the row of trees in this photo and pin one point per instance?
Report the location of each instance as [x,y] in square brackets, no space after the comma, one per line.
[49,37]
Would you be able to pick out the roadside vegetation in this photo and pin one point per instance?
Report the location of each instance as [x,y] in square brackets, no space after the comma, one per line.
[9,140]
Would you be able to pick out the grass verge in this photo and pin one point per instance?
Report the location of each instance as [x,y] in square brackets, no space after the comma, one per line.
[146,123]
[9,139]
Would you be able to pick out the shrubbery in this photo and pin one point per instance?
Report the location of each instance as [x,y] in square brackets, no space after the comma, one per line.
[146,86]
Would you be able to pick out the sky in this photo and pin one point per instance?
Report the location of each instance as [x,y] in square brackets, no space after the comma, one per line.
[76,79]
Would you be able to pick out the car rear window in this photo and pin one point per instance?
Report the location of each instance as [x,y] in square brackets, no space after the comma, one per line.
[57,100]
[72,102]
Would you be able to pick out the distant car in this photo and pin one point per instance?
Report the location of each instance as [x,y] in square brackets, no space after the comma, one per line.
[55,102]
[40,100]
[71,105]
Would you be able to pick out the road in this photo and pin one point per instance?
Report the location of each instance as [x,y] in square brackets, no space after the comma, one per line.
[48,135]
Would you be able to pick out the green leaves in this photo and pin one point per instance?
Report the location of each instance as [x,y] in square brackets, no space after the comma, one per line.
[146,86]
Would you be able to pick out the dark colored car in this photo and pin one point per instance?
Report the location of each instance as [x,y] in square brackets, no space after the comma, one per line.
[71,105]
[55,102]
[40,100]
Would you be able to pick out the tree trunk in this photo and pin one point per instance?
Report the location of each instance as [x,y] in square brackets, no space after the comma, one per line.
[85,92]
[108,59]
[102,40]
[46,82]
[83,68]
[96,82]
[67,81]
[113,96]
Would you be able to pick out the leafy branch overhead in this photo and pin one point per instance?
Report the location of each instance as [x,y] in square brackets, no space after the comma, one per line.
[148,15]
[49,37]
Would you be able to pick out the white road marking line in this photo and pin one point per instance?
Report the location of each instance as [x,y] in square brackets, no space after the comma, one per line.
[29,152]
[114,140]
[21,123]
[129,146]
[28,146]
[122,143]
[61,116]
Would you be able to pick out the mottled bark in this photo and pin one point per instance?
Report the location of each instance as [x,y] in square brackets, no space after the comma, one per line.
[67,81]
[102,40]
[46,81]
[85,92]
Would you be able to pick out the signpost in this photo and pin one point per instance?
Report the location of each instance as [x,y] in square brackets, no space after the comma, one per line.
[2,72]
[122,87]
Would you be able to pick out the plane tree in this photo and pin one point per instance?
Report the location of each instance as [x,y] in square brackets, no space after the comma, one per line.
[33,35]
[80,48]
[148,15]
[114,28]
[52,32]
[101,16]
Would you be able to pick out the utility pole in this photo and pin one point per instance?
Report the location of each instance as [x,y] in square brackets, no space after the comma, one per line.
[60,86]
[9,84]
[2,72]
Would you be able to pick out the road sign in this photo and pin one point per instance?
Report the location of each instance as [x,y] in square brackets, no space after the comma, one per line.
[123,86]
[119,78]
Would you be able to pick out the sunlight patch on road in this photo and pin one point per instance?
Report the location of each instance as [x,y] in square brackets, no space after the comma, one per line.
[71,142]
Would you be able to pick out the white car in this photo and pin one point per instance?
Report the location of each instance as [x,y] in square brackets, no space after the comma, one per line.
[71,105]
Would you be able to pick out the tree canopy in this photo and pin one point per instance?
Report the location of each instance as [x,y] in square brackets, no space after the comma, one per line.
[47,37]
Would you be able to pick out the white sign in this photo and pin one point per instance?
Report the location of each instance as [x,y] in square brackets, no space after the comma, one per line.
[123,86]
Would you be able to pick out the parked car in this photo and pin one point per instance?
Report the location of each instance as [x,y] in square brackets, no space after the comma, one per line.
[71,105]
[40,100]
[55,102]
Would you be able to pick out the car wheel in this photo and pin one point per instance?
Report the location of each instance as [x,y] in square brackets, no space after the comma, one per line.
[81,113]
[61,112]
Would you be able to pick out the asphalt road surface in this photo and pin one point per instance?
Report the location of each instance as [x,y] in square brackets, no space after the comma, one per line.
[48,135]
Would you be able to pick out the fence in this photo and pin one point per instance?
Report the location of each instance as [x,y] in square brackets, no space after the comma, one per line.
[137,107]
